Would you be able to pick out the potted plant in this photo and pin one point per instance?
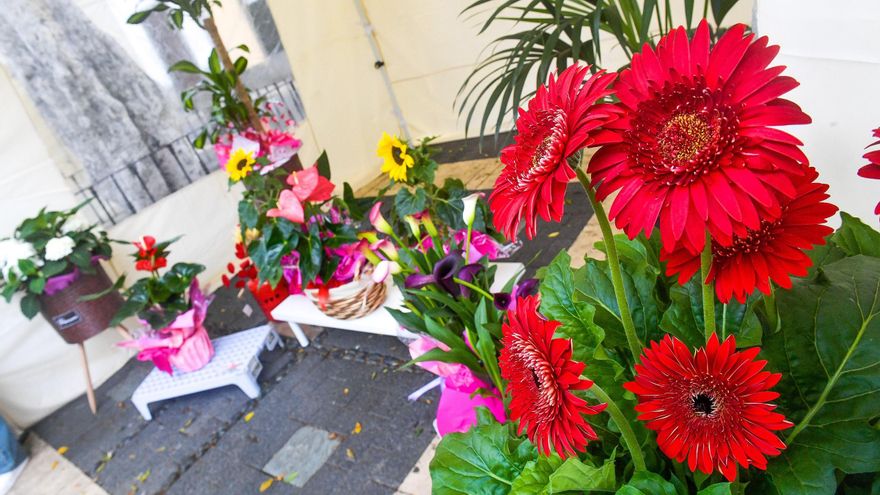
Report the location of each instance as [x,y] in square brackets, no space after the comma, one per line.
[301,234]
[171,307]
[52,261]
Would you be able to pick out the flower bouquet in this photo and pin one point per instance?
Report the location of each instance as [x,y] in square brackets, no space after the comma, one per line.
[308,238]
[52,260]
[171,307]
[727,342]
[446,278]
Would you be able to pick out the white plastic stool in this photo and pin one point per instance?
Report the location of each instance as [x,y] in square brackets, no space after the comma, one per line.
[235,362]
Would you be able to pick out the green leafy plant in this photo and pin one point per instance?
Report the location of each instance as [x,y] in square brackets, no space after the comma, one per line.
[326,225]
[157,299]
[231,101]
[50,244]
[555,34]
[220,84]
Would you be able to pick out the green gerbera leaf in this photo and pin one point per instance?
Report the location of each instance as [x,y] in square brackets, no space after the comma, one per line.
[828,350]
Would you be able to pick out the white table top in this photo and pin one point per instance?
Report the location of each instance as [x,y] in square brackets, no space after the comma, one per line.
[300,309]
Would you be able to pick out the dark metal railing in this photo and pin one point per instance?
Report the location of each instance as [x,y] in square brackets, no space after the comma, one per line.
[168,168]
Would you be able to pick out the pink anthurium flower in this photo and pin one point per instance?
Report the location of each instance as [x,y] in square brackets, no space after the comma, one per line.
[289,207]
[307,185]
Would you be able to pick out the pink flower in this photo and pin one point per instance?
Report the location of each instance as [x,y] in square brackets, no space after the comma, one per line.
[307,185]
[351,261]
[481,245]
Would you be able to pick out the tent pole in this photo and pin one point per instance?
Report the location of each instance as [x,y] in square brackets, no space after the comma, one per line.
[380,66]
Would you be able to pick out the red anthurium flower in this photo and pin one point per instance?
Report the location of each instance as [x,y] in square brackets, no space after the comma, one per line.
[872,169]
[561,119]
[148,257]
[541,379]
[695,148]
[752,258]
[710,407]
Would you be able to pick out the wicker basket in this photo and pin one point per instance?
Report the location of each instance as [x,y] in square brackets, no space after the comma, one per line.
[75,320]
[355,299]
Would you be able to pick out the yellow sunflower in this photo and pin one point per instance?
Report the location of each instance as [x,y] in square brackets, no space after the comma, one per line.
[240,164]
[396,160]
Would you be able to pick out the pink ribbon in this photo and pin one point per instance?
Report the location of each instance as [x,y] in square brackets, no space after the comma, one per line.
[184,344]
[456,411]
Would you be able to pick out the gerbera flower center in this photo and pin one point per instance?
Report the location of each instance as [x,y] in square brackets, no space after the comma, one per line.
[545,144]
[241,164]
[396,155]
[684,132]
[755,241]
[703,404]
[684,137]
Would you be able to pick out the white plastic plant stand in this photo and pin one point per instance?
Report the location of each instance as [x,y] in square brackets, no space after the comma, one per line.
[235,362]
[298,310]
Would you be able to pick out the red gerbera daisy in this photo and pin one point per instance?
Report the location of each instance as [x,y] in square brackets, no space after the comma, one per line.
[872,169]
[709,407]
[541,377]
[694,147]
[561,119]
[751,258]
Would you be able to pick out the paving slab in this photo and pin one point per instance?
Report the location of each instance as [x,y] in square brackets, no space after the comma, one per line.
[304,453]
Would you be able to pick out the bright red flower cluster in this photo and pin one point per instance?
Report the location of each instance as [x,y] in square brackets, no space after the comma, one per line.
[149,258]
[709,408]
[872,169]
[562,119]
[692,147]
[541,379]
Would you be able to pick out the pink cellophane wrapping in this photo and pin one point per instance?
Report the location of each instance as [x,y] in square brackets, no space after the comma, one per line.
[456,411]
[184,344]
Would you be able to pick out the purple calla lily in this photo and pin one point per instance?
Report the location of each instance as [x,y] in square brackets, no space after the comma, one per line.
[467,274]
[502,301]
[444,272]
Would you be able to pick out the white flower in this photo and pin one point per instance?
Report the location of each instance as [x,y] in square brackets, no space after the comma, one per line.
[59,247]
[383,269]
[75,223]
[11,252]
[470,208]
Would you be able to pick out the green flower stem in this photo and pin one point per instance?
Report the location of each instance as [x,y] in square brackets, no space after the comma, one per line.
[474,288]
[629,328]
[770,306]
[629,436]
[708,289]
[830,385]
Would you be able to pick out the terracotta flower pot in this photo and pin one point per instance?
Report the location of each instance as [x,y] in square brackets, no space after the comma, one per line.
[76,320]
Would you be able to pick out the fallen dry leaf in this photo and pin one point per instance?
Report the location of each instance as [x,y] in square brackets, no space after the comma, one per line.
[266,484]
[54,465]
[551,235]
[248,417]
[63,449]
[333,435]
[349,453]
[143,476]
[345,391]
[357,428]
[290,477]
